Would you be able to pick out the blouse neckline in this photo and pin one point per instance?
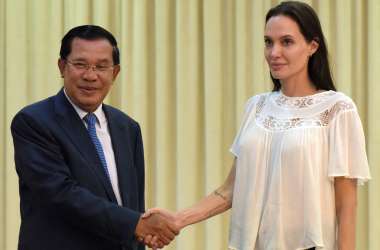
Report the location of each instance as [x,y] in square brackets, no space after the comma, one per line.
[299,102]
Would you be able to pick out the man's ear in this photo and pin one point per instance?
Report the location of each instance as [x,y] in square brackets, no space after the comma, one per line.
[116,70]
[61,66]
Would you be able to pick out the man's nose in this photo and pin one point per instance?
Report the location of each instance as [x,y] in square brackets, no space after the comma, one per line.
[90,74]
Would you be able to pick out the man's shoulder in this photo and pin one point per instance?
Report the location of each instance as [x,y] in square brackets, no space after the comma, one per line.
[35,114]
[39,106]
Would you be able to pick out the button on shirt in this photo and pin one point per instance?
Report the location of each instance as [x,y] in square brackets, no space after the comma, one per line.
[103,134]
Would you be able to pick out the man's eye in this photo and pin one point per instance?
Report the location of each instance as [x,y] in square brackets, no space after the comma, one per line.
[80,65]
[101,67]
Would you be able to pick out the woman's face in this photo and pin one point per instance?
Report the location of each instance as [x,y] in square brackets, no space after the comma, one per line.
[286,50]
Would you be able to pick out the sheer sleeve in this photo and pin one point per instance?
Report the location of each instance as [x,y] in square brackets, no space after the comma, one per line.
[250,106]
[347,153]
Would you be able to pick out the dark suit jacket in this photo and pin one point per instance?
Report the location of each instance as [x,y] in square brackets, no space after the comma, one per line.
[66,200]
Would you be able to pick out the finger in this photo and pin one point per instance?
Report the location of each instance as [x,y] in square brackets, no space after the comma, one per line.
[173,228]
[154,240]
[165,233]
[150,212]
[151,246]
[140,239]
[146,214]
[148,240]
[160,244]
[164,239]
[169,234]
[154,247]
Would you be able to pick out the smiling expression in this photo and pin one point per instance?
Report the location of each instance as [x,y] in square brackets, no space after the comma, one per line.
[286,50]
[88,88]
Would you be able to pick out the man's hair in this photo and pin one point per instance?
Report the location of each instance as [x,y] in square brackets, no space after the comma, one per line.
[89,32]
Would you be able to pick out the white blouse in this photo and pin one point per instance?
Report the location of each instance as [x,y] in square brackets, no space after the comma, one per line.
[288,151]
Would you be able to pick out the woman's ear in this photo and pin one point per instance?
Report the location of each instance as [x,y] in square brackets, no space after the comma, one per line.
[314,45]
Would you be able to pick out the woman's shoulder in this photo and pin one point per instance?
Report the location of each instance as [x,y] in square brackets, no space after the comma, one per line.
[255,100]
[258,97]
[342,101]
[340,105]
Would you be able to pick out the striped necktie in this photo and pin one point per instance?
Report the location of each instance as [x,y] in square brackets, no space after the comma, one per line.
[90,119]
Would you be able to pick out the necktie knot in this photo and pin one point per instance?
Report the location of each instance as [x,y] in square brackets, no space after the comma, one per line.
[90,119]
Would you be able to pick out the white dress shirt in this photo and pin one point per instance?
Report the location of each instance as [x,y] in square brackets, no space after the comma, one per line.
[103,134]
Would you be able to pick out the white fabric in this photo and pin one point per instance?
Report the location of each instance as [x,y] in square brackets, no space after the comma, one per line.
[103,134]
[288,151]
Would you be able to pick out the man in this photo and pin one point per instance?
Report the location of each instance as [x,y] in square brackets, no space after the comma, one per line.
[80,162]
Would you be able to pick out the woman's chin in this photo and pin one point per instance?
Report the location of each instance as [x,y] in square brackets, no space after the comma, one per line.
[276,76]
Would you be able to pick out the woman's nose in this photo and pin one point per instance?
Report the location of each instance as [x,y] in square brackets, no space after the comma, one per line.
[275,50]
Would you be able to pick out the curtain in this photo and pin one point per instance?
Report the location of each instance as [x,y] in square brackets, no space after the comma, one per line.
[187,68]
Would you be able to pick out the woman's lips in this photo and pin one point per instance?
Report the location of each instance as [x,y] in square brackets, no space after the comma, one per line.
[276,66]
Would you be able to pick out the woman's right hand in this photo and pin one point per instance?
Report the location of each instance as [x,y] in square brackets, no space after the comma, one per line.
[171,216]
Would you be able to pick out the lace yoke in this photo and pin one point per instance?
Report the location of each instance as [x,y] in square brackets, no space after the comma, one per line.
[311,111]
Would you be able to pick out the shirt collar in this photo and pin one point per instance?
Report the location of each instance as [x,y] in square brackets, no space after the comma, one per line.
[100,116]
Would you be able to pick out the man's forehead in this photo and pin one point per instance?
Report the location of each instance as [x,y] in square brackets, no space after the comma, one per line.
[77,41]
[82,48]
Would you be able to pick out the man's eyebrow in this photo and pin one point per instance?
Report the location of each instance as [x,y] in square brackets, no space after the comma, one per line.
[80,59]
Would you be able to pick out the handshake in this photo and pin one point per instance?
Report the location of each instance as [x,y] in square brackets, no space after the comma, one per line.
[158,227]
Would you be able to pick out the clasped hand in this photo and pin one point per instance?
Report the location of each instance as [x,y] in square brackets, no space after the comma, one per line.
[157,228]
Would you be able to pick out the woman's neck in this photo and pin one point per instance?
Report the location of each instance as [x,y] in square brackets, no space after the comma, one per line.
[298,88]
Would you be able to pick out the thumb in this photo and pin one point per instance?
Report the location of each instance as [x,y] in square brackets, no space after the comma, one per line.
[149,213]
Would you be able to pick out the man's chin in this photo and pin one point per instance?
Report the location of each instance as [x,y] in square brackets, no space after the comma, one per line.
[87,105]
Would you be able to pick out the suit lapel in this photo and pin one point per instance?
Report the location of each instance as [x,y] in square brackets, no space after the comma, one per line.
[74,128]
[122,150]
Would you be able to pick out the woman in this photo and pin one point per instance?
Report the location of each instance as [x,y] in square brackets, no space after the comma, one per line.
[299,153]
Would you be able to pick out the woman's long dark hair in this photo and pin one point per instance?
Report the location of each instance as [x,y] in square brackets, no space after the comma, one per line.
[310,27]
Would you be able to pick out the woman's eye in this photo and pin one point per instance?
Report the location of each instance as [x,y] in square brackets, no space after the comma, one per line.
[267,43]
[287,42]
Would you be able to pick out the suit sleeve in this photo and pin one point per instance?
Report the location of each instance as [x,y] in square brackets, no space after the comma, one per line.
[140,168]
[43,171]
[139,159]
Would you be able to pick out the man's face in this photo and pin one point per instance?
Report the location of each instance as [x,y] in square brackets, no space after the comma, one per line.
[87,87]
